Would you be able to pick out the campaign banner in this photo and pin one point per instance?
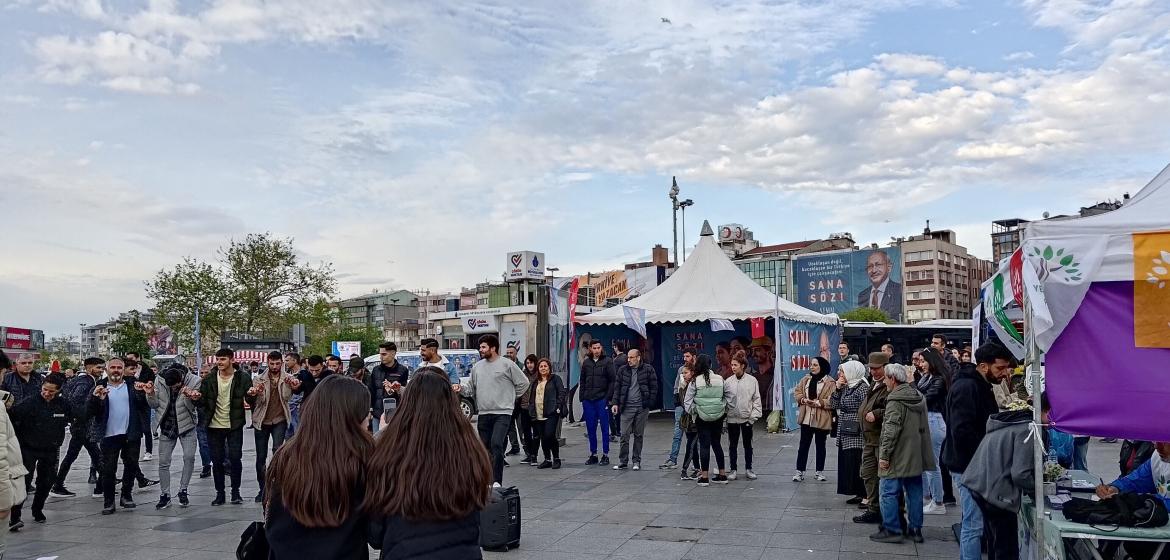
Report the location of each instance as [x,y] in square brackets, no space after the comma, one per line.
[344,348]
[800,343]
[720,346]
[843,281]
[609,335]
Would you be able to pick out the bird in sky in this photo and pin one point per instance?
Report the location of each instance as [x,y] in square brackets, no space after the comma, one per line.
[666,21]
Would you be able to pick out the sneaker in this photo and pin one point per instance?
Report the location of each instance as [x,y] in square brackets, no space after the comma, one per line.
[637,466]
[97,492]
[145,482]
[164,502]
[237,499]
[219,500]
[868,518]
[798,477]
[127,502]
[887,537]
[751,475]
[60,491]
[592,460]
[719,479]
[147,457]
[934,509]
[108,509]
[545,465]
[620,467]
[92,477]
[732,475]
[14,525]
[556,464]
[704,481]
[604,460]
[820,477]
[687,475]
[669,464]
[206,472]
[495,485]
[184,501]
[513,451]
[39,516]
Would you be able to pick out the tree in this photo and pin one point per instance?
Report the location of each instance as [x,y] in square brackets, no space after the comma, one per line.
[256,286]
[58,349]
[130,335]
[866,314]
[370,337]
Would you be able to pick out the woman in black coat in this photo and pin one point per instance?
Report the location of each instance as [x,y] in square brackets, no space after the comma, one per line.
[547,402]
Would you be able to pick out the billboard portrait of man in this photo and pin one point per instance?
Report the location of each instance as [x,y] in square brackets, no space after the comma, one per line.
[883,292]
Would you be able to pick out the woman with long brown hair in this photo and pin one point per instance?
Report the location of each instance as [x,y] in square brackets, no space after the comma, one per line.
[316,482]
[547,403]
[430,477]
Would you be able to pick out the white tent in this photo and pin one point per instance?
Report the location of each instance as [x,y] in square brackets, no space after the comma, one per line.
[708,286]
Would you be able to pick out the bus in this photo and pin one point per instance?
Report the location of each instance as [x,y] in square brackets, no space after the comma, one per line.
[866,337]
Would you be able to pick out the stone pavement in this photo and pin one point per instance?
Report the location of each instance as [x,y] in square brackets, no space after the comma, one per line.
[574,512]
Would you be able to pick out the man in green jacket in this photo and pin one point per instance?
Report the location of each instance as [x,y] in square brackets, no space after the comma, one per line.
[871,413]
[221,396]
[904,454]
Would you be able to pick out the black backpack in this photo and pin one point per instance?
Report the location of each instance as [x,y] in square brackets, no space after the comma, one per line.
[1122,510]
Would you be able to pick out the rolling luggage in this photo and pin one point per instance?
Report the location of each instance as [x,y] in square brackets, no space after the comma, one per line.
[499,523]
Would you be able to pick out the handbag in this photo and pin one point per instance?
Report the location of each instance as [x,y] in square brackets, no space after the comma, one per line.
[848,428]
[253,543]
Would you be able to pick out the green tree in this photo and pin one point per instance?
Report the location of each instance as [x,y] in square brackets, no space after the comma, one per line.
[867,314]
[256,285]
[130,335]
[58,349]
[370,337]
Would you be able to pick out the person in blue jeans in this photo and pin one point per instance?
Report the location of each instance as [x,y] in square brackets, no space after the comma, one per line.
[688,362]
[595,389]
[904,454]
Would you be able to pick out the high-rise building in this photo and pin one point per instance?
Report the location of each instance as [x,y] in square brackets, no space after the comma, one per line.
[937,279]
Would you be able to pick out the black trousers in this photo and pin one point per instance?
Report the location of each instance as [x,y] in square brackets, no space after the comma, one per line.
[515,441]
[615,424]
[999,528]
[147,432]
[692,453]
[276,433]
[77,440]
[948,488]
[529,436]
[547,429]
[113,448]
[42,464]
[226,444]
[807,435]
[734,432]
[493,432]
[709,435]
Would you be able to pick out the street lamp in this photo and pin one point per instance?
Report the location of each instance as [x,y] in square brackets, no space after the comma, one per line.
[683,205]
[674,208]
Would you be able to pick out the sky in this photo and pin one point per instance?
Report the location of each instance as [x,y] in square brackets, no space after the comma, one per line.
[413,144]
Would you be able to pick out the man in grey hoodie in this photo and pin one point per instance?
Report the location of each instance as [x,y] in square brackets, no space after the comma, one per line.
[495,384]
[175,422]
[1001,471]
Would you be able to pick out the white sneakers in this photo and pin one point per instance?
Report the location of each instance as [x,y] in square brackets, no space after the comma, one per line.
[798,477]
[751,475]
[495,485]
[731,475]
[146,457]
[820,477]
[934,509]
[637,466]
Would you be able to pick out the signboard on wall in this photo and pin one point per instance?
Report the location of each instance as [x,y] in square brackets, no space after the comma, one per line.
[16,338]
[514,334]
[844,281]
[525,265]
[345,349]
[475,325]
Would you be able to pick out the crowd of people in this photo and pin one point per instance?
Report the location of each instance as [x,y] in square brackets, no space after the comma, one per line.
[910,438]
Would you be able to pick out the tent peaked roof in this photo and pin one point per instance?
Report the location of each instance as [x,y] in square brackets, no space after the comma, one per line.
[707,286]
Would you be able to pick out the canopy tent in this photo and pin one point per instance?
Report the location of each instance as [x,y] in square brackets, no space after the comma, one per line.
[708,286]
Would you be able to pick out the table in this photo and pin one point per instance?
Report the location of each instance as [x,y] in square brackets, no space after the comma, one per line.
[1057,528]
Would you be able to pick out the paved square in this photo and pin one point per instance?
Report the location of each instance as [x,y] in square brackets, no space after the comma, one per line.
[576,512]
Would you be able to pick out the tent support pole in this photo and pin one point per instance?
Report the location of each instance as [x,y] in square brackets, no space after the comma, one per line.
[1033,364]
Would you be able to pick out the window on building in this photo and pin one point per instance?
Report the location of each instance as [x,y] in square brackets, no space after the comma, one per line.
[929,314]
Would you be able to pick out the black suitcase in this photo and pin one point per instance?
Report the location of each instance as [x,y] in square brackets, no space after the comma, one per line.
[499,523]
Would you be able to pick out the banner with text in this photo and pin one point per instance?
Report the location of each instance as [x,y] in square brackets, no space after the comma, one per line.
[799,344]
[844,281]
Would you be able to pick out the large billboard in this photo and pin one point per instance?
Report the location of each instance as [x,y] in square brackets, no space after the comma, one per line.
[16,338]
[844,281]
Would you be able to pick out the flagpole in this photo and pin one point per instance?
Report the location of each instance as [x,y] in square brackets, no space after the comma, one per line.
[198,345]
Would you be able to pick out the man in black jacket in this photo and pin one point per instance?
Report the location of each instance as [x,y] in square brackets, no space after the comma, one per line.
[41,430]
[636,393]
[77,392]
[970,402]
[594,389]
[114,409]
[386,380]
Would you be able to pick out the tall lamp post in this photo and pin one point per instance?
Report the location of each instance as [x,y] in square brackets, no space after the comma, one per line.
[683,205]
[674,203]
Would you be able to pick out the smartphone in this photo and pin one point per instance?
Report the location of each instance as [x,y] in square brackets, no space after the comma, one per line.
[389,407]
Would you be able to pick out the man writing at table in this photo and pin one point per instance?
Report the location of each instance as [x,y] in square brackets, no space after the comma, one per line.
[1151,478]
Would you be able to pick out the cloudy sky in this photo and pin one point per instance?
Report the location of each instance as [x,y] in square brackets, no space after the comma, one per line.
[412,144]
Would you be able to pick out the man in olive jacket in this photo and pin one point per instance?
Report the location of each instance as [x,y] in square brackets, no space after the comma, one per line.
[871,414]
[905,453]
[221,397]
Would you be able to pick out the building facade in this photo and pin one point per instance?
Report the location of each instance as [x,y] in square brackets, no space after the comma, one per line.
[936,277]
[1006,234]
[98,340]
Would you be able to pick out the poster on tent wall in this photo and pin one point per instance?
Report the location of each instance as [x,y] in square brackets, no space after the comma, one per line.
[843,281]
[800,343]
[719,346]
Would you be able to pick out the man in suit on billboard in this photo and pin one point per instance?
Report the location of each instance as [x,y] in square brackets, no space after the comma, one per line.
[883,293]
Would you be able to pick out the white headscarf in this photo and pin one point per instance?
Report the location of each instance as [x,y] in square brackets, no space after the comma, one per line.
[854,373]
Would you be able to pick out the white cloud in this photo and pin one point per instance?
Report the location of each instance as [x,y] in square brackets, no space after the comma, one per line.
[1019,56]
[119,61]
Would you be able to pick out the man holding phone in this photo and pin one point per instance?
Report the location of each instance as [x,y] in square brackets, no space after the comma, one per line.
[385,382]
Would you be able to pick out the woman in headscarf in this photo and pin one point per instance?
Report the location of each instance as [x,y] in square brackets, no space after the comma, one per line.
[812,394]
[851,391]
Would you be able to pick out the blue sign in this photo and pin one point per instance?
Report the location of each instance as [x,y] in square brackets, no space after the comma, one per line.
[800,343]
[841,282]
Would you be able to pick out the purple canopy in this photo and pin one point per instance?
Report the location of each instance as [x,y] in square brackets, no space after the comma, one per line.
[1099,383]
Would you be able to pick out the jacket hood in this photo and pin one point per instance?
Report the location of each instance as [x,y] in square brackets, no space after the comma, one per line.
[1008,419]
[968,370]
[905,393]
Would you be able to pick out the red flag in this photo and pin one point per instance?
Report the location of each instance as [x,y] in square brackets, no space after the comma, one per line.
[573,311]
[757,327]
[55,367]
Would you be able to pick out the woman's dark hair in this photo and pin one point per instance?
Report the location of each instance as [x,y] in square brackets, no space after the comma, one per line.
[535,361]
[551,369]
[937,365]
[315,473]
[5,363]
[703,365]
[428,429]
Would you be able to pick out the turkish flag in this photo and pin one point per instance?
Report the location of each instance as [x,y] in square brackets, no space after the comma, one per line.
[757,327]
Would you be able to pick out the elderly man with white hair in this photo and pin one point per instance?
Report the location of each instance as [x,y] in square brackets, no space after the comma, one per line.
[904,454]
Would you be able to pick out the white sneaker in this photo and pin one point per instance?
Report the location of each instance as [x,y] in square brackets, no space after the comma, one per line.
[495,485]
[731,475]
[934,509]
[637,466]
[798,477]
[820,477]
[751,475]
[147,457]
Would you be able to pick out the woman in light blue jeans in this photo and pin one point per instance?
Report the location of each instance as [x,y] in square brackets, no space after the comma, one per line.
[933,382]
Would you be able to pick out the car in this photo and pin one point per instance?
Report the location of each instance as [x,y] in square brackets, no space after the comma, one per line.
[462,359]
